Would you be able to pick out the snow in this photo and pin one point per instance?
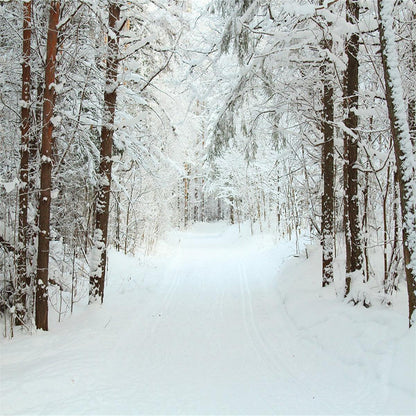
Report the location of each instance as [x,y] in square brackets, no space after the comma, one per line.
[215,322]
[10,186]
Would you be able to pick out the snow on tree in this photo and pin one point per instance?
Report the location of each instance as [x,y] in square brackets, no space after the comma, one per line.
[403,149]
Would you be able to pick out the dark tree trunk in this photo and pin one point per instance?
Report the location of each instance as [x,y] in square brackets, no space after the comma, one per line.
[22,275]
[412,101]
[232,210]
[327,223]
[403,148]
[328,179]
[46,170]
[102,208]
[354,259]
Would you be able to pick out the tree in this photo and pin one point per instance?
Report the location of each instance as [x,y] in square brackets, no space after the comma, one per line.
[41,318]
[22,275]
[403,149]
[327,224]
[352,223]
[102,205]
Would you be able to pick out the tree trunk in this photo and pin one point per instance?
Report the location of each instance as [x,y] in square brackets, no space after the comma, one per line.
[46,169]
[365,228]
[196,201]
[354,261]
[231,210]
[327,223]
[412,100]
[99,263]
[22,275]
[403,149]
[385,228]
[395,257]
[412,120]
[186,195]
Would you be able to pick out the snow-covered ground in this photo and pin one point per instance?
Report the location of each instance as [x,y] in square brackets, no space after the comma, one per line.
[215,323]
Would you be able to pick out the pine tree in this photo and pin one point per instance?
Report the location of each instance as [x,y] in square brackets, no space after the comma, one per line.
[102,206]
[41,318]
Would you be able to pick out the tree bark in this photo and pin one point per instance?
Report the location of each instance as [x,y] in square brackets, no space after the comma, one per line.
[412,100]
[327,223]
[46,170]
[354,260]
[186,194]
[22,275]
[403,149]
[102,207]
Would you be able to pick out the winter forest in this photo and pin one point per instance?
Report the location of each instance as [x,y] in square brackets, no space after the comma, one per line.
[208,207]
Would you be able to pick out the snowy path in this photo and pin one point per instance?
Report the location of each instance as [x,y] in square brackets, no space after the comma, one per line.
[212,331]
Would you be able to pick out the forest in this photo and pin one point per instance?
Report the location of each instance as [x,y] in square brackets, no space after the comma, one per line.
[126,121]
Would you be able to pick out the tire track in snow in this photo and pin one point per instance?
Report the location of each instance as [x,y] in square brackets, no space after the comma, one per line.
[262,349]
[270,354]
[161,309]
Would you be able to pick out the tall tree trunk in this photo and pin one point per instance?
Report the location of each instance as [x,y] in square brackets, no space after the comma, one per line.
[412,100]
[327,223]
[46,170]
[403,149]
[102,207]
[354,259]
[22,252]
[328,195]
[33,191]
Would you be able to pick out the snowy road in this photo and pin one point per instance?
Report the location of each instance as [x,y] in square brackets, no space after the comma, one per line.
[220,326]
